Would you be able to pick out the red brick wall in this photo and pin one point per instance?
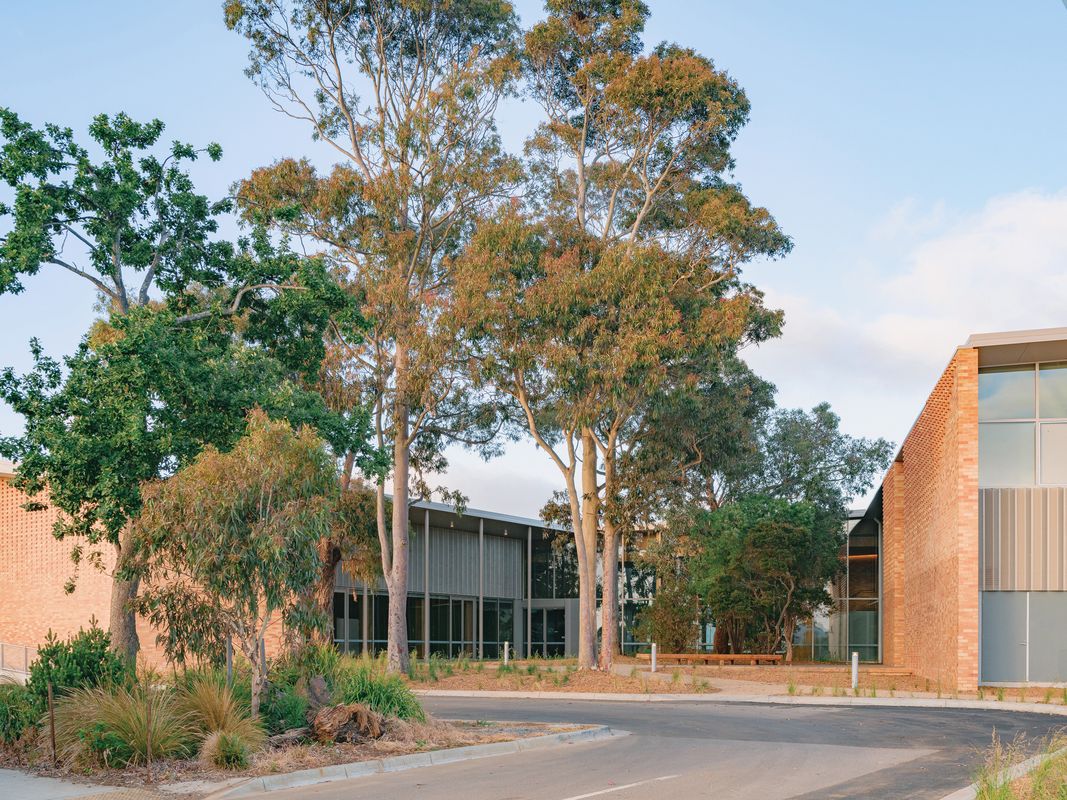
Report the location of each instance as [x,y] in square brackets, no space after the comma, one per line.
[34,568]
[930,535]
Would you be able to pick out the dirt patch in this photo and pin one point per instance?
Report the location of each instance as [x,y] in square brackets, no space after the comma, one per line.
[534,678]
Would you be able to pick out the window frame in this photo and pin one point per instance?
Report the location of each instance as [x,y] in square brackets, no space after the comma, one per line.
[1036,419]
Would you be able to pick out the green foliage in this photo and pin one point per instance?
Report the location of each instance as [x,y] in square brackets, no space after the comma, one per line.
[17,712]
[384,692]
[242,530]
[226,750]
[283,708]
[806,458]
[110,726]
[672,618]
[83,660]
[134,208]
[761,564]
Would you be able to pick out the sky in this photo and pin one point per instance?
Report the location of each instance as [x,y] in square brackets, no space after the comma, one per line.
[915,152]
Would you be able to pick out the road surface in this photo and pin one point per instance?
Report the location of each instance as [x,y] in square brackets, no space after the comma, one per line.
[714,750]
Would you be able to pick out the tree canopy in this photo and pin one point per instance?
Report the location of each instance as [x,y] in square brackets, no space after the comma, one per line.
[621,273]
[229,543]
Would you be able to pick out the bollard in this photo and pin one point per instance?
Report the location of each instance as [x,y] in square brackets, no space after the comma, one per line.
[855,670]
[506,653]
[653,656]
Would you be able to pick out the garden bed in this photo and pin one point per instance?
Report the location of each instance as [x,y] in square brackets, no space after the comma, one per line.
[401,738]
[542,677]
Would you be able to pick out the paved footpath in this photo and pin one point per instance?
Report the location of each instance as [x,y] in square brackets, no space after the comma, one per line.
[709,750]
[16,785]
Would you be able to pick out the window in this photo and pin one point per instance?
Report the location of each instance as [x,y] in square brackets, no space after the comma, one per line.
[1006,454]
[1006,393]
[1022,436]
[1054,452]
[1053,390]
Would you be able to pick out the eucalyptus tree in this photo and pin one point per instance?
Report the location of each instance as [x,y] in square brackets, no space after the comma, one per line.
[248,555]
[194,331]
[622,270]
[404,94]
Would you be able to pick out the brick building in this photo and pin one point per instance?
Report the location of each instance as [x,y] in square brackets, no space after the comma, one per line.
[962,555]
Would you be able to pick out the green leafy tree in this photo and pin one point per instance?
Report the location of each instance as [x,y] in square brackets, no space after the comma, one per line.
[139,399]
[672,618]
[404,93]
[762,564]
[194,331]
[229,543]
[621,274]
[804,456]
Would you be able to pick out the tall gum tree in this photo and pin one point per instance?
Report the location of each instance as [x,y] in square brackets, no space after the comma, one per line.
[404,92]
[194,330]
[621,272]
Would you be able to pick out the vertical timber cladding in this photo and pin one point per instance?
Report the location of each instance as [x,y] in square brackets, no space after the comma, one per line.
[1023,543]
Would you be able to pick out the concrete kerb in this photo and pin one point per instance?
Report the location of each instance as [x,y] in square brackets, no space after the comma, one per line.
[882,702]
[359,769]
[1010,774]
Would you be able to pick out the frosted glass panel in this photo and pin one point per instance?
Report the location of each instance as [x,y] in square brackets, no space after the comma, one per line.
[1006,454]
[1006,393]
[1053,383]
[1054,452]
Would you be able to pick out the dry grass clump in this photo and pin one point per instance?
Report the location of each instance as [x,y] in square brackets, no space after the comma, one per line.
[118,726]
[1047,781]
[212,706]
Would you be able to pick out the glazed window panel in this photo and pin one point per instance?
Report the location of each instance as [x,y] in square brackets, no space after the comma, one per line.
[1054,453]
[1006,454]
[1052,381]
[1007,393]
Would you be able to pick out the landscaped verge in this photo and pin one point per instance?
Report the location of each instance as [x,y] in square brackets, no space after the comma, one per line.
[542,676]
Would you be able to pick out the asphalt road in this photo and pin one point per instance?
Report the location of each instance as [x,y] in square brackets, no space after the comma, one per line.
[712,750]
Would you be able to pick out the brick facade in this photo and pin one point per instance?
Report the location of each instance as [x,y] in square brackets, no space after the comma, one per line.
[34,570]
[930,536]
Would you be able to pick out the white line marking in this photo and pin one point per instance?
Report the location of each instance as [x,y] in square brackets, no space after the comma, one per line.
[627,786]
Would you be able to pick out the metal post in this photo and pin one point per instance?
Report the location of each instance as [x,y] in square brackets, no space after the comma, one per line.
[855,670]
[529,591]
[622,595]
[506,653]
[481,588]
[366,616]
[653,656]
[426,587]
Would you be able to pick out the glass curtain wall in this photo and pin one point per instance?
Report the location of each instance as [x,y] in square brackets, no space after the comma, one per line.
[853,621]
[453,624]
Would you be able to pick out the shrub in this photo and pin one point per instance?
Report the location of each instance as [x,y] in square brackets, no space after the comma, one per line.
[83,660]
[16,712]
[283,708]
[227,750]
[110,726]
[385,693]
[213,708]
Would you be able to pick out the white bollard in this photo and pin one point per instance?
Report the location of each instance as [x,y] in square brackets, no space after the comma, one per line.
[855,670]
[505,654]
[653,656]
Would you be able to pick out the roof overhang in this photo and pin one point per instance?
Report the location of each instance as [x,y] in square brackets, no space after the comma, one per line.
[7,468]
[1019,347]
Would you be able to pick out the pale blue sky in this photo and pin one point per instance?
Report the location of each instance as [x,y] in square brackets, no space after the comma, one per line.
[907,147]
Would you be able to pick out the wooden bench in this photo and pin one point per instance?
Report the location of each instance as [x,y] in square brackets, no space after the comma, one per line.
[713,658]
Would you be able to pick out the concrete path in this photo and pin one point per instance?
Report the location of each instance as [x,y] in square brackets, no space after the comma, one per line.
[15,785]
[680,749]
